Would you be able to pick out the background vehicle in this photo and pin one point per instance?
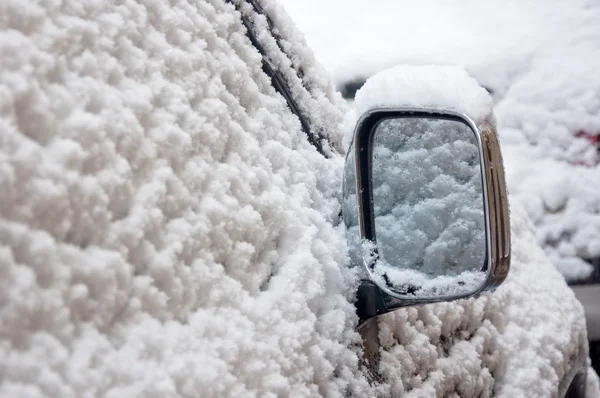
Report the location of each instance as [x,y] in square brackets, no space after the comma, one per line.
[169,224]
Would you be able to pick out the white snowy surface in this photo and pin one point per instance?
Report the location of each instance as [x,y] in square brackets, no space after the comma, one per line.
[428,204]
[163,229]
[402,280]
[428,195]
[513,341]
[420,86]
[166,228]
[427,86]
[542,61]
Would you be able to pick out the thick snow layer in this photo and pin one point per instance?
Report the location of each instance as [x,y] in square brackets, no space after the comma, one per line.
[310,88]
[166,228]
[427,86]
[435,86]
[542,62]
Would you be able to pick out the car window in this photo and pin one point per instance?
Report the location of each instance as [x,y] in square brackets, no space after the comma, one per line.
[289,79]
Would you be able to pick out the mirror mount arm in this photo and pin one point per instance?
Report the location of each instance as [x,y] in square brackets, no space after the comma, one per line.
[369,302]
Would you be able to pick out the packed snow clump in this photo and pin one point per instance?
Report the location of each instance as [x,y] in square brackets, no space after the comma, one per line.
[592,384]
[427,86]
[428,195]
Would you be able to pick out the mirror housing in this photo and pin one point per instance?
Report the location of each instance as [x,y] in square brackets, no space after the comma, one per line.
[378,293]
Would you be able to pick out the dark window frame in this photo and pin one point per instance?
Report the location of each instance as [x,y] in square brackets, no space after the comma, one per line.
[277,79]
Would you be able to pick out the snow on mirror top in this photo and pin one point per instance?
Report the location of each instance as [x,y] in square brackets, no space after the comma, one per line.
[428,206]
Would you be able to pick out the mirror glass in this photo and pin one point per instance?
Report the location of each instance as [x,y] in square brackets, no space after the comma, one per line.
[428,206]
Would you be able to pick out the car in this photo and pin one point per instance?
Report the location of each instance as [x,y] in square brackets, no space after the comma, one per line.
[171,178]
[539,64]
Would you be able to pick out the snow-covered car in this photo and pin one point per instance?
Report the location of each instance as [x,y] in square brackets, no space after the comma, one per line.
[170,191]
[541,64]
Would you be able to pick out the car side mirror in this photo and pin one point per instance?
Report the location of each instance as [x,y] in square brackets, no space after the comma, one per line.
[425,205]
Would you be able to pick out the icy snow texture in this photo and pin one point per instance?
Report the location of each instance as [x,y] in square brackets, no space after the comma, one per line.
[517,341]
[427,196]
[542,61]
[165,227]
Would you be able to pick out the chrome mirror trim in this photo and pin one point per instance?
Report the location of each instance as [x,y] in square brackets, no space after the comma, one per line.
[499,214]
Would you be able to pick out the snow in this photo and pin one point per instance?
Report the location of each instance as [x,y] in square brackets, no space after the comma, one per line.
[512,342]
[425,86]
[428,203]
[403,281]
[163,229]
[167,230]
[542,62]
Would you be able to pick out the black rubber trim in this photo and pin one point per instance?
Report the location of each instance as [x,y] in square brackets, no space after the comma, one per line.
[277,79]
[577,388]
[369,302]
[595,355]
